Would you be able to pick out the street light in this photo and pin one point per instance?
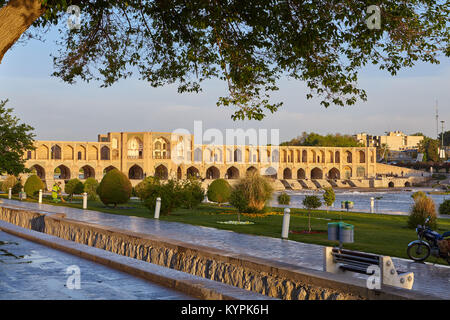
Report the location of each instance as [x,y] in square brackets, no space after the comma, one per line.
[442,153]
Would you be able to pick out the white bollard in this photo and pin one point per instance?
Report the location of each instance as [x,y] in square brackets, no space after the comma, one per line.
[40,195]
[372,204]
[85,200]
[9,193]
[157,207]
[286,219]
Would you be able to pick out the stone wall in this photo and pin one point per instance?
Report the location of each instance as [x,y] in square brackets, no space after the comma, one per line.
[258,275]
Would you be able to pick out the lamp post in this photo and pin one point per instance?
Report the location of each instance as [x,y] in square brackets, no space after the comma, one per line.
[442,153]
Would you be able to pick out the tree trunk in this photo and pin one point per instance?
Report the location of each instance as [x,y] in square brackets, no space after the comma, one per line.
[15,18]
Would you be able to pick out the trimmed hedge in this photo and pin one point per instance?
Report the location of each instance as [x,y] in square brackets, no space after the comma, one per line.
[33,185]
[115,188]
[219,191]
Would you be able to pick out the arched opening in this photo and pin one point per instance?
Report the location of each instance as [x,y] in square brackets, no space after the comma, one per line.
[161,172]
[161,148]
[39,171]
[212,173]
[275,156]
[391,184]
[251,169]
[136,173]
[232,173]
[62,172]
[304,156]
[347,172]
[237,155]
[348,155]
[362,156]
[407,184]
[316,173]
[86,172]
[56,152]
[287,173]
[105,153]
[192,172]
[179,173]
[334,174]
[360,172]
[330,157]
[337,157]
[198,155]
[301,174]
[107,169]
[135,148]
[270,172]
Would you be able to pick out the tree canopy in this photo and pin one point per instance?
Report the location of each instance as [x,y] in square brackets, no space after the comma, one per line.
[329,140]
[247,44]
[430,149]
[15,139]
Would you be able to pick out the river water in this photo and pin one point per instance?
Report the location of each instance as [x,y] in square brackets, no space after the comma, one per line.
[389,201]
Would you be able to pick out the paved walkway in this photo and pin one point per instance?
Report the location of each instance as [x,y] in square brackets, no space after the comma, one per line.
[431,279]
[31,271]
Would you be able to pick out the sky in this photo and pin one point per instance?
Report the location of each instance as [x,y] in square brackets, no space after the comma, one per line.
[79,112]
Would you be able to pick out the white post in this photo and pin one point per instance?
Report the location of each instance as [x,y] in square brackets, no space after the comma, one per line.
[157,207]
[372,204]
[84,200]
[9,193]
[40,195]
[286,218]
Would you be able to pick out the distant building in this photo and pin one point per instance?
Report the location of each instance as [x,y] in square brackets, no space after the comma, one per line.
[395,140]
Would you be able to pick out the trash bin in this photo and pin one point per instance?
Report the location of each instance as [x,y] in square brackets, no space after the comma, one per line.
[333,231]
[346,233]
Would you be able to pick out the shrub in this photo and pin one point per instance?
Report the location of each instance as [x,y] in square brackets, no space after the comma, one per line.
[17,187]
[139,189]
[33,185]
[73,186]
[284,198]
[219,191]
[444,208]
[192,193]
[311,202]
[9,182]
[423,207]
[251,193]
[417,195]
[115,188]
[329,197]
[90,187]
[168,192]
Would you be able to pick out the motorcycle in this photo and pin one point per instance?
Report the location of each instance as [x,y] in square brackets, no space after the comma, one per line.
[427,244]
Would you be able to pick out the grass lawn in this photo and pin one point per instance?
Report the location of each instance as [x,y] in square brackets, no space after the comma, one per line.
[376,233]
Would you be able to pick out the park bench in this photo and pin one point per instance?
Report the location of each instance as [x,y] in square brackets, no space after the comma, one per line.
[341,261]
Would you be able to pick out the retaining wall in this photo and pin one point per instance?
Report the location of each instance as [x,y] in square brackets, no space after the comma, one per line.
[279,280]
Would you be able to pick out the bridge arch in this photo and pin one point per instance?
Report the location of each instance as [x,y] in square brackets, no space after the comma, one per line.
[212,173]
[301,174]
[161,172]
[287,173]
[316,173]
[334,174]
[38,170]
[86,172]
[232,173]
[62,172]
[136,173]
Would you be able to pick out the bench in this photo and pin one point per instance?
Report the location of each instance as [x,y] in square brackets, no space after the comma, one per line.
[342,261]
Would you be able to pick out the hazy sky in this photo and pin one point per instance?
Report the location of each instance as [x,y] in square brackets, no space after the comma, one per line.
[60,111]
